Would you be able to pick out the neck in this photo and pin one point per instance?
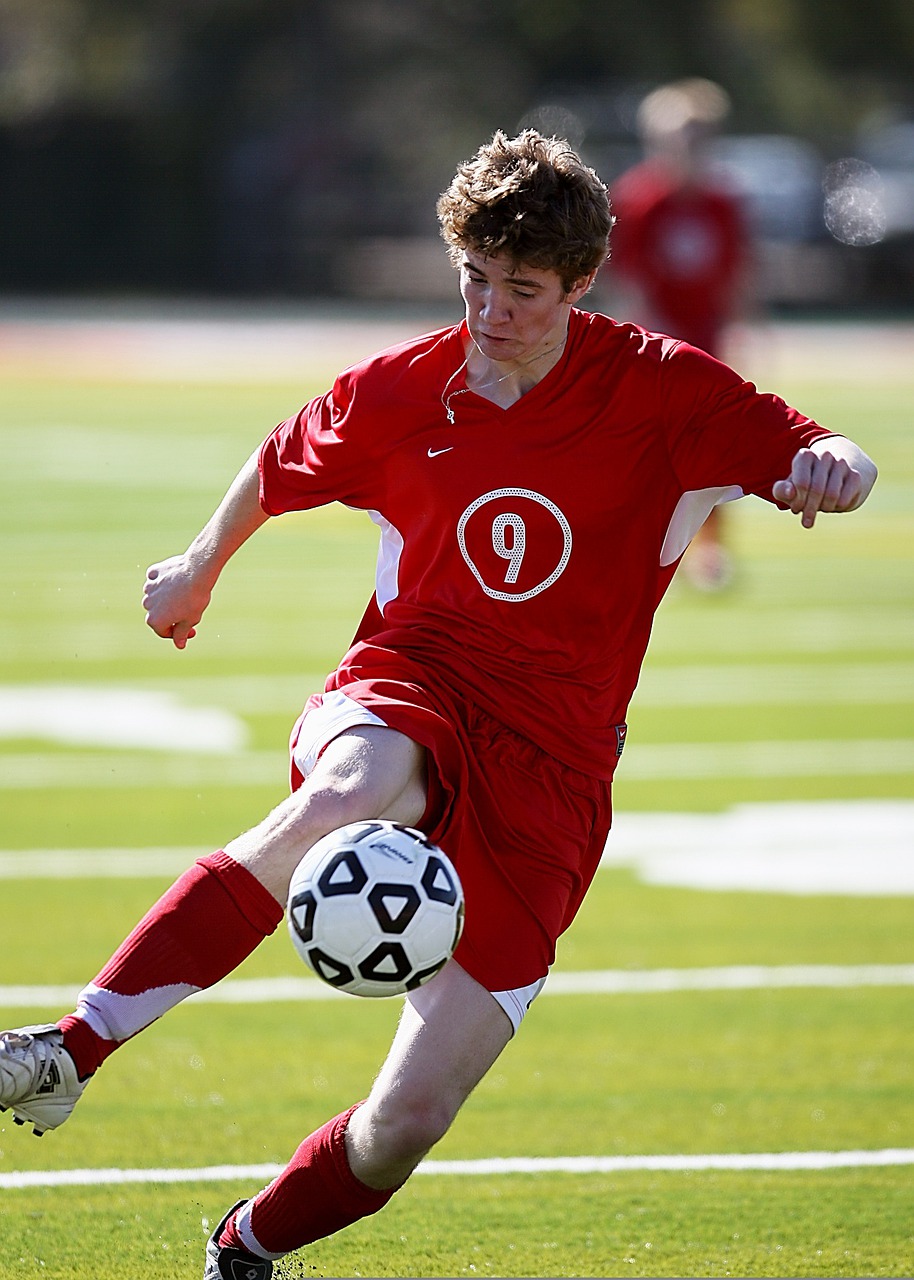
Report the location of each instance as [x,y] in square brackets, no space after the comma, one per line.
[513,376]
[501,382]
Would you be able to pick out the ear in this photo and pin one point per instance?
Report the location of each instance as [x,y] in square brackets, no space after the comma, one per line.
[580,287]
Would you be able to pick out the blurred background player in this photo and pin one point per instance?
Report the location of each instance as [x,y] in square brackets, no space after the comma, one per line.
[681,251]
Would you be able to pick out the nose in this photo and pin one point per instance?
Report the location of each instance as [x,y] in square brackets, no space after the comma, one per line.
[494,306]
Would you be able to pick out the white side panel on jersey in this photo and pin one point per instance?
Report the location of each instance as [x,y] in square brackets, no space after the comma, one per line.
[390,549]
[692,510]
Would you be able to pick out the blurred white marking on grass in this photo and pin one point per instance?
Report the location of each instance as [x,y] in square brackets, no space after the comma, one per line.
[699,684]
[854,847]
[190,766]
[749,684]
[39,771]
[85,715]
[595,982]
[495,1166]
[110,715]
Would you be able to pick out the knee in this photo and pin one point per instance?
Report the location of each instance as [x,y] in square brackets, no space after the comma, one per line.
[403,1129]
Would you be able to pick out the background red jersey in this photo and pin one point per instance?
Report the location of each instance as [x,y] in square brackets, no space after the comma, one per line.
[684,246]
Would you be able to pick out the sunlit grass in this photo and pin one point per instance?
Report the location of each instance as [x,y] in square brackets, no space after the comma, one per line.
[106,478]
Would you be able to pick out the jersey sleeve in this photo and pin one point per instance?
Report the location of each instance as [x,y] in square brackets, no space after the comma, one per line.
[322,454]
[722,431]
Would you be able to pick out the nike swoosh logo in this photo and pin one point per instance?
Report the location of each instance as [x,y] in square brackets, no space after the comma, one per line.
[433,453]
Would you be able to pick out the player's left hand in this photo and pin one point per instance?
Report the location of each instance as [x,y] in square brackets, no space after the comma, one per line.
[837,478]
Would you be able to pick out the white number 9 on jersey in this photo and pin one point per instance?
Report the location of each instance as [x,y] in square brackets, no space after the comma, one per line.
[515,541]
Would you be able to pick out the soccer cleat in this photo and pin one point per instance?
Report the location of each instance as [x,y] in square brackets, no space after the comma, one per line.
[38,1079]
[225,1262]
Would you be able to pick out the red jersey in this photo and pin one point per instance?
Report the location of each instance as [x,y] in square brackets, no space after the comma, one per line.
[524,550]
[683,246]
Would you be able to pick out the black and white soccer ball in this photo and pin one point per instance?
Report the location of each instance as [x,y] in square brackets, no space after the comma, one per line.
[375,909]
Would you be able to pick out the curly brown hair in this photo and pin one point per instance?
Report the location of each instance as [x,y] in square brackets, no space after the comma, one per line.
[533,199]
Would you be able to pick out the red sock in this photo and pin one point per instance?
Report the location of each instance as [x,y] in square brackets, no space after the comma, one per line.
[316,1195]
[210,920]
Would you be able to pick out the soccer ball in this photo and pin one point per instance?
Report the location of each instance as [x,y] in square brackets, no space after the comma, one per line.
[375,909]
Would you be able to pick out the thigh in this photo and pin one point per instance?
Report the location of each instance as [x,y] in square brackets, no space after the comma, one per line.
[451,1032]
[532,835]
[365,772]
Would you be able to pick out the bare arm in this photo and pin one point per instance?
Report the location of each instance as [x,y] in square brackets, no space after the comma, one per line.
[834,474]
[178,590]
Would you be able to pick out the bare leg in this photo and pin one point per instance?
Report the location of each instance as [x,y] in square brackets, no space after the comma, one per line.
[450,1034]
[215,915]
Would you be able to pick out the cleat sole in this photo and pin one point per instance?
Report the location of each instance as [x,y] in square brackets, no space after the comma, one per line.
[23,1120]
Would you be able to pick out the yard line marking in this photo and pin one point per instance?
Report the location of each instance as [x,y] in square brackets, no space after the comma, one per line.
[780,1161]
[729,978]
[850,847]
[585,982]
[109,769]
[102,864]
[644,761]
[116,716]
[781,758]
[684,684]
[798,847]
[751,684]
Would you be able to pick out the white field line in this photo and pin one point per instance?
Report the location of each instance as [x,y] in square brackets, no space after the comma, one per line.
[750,684]
[593,982]
[778,1161]
[685,684]
[782,758]
[856,847]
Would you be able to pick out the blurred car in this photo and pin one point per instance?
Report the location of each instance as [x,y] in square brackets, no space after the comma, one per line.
[780,180]
[890,151]
[870,209]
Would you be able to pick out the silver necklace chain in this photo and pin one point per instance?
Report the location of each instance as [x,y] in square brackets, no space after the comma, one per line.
[462,391]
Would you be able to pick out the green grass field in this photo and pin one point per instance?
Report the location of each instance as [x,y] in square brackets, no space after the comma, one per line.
[797,685]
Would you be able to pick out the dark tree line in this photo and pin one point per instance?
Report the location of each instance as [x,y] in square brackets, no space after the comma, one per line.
[247,145]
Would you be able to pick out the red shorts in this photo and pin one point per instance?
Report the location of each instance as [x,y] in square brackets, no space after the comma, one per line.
[525,831]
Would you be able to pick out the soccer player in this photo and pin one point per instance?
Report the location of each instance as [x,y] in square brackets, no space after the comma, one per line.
[681,250]
[536,472]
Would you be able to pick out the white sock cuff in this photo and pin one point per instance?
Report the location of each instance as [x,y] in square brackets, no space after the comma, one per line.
[118,1017]
[250,1241]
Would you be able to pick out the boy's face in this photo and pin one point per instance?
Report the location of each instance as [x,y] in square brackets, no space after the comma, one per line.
[514,312]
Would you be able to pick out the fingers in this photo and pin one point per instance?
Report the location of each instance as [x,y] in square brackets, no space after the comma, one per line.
[153,618]
[163,600]
[181,632]
[818,483]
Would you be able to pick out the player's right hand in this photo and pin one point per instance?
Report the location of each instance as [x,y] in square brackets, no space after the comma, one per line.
[174,599]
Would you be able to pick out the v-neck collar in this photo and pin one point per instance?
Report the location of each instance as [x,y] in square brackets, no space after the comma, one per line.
[457,382]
